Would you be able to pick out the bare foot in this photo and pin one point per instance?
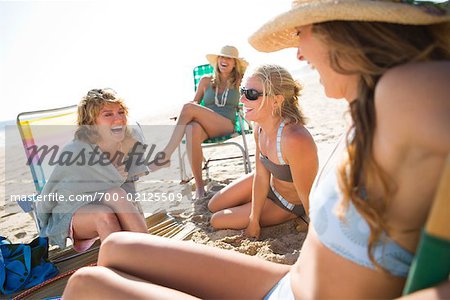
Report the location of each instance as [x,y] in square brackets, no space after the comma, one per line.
[153,166]
[199,193]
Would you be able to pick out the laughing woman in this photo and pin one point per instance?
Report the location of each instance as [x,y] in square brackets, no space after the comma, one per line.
[391,61]
[101,183]
[286,158]
[220,94]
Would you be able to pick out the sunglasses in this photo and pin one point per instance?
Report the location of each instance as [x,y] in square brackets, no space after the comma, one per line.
[100,93]
[251,94]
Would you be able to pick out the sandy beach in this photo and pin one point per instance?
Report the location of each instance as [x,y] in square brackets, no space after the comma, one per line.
[281,243]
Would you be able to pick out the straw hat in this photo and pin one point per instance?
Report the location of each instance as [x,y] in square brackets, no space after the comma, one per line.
[227,51]
[280,32]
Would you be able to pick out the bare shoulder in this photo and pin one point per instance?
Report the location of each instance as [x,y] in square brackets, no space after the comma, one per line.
[205,80]
[202,85]
[414,83]
[416,96]
[296,138]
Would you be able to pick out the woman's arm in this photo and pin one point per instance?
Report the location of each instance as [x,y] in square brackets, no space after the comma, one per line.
[202,85]
[300,152]
[260,190]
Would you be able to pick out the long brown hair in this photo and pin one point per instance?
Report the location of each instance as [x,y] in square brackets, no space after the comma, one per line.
[369,49]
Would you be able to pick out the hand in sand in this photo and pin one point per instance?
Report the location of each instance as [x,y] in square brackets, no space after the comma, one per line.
[253,229]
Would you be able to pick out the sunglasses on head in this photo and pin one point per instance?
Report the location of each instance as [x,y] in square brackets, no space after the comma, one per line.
[251,94]
[101,93]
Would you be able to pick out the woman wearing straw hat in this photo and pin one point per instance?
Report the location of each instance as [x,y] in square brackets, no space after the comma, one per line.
[220,94]
[391,61]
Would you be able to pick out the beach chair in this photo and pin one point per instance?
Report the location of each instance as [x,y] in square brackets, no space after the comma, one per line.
[431,264]
[241,128]
[37,128]
[68,261]
[45,128]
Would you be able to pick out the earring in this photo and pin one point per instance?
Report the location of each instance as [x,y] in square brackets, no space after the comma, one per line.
[276,112]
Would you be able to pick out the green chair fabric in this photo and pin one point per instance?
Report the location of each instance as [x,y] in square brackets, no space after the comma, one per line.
[431,264]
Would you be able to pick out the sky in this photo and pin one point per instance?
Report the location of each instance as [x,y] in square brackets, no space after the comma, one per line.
[53,52]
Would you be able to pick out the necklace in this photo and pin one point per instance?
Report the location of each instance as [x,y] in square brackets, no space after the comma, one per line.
[223,99]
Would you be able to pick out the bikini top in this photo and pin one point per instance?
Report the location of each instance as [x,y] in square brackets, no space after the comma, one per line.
[283,171]
[349,237]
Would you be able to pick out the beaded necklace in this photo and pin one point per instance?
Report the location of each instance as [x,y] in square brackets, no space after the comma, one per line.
[223,99]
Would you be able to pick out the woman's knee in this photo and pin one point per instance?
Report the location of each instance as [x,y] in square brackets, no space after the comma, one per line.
[213,203]
[107,220]
[82,281]
[118,246]
[117,199]
[196,131]
[114,246]
[188,109]
[113,242]
[216,220]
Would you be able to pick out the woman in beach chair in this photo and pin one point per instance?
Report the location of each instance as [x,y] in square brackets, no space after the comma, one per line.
[220,95]
[286,158]
[94,176]
[391,61]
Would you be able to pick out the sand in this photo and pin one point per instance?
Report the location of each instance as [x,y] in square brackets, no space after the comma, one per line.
[281,243]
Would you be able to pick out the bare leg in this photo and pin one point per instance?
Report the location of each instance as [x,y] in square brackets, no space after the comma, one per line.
[195,269]
[232,206]
[194,138]
[129,217]
[213,123]
[237,217]
[91,221]
[237,193]
[105,283]
[100,220]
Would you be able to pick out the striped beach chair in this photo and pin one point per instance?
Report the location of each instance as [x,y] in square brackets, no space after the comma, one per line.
[68,261]
[57,127]
[43,128]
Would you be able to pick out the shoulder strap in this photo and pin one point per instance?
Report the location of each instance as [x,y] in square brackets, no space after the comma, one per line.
[280,131]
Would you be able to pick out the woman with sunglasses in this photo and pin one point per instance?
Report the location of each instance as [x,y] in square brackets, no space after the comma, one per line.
[286,158]
[391,61]
[95,176]
[216,117]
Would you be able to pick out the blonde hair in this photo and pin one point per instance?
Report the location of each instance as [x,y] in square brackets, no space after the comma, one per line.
[89,109]
[369,49]
[278,81]
[236,75]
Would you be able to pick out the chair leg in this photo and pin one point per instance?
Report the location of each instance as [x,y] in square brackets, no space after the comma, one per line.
[247,164]
[206,168]
[245,156]
[183,170]
[36,222]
